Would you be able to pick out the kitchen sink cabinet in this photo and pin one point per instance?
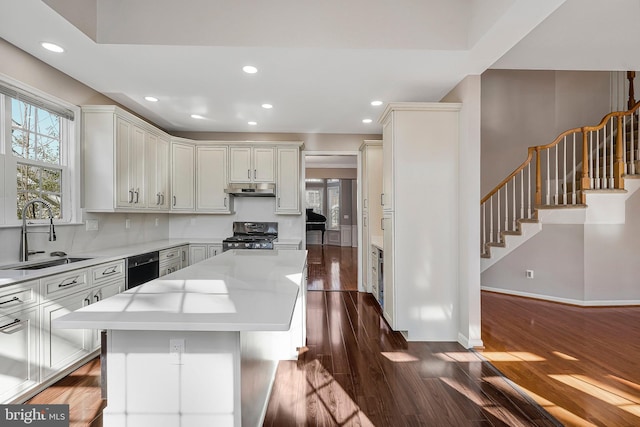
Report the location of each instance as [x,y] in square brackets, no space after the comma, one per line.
[212,179]
[126,165]
[288,181]
[182,177]
[19,333]
[104,291]
[19,296]
[251,164]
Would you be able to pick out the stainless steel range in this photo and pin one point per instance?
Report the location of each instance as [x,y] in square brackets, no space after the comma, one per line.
[251,235]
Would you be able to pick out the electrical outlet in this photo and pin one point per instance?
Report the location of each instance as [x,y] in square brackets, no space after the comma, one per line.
[176,349]
[91,225]
[127,223]
[529,274]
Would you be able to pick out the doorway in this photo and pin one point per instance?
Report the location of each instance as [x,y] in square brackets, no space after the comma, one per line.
[331,194]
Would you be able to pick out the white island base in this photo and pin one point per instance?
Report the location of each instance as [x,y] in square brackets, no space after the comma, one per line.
[148,386]
[200,347]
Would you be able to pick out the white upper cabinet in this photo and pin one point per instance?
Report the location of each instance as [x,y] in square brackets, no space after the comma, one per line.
[288,181]
[182,177]
[157,172]
[252,164]
[211,179]
[387,164]
[125,161]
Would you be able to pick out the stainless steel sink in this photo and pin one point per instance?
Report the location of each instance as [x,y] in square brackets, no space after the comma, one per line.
[43,264]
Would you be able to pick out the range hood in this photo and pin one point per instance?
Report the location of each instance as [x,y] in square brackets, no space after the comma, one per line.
[251,190]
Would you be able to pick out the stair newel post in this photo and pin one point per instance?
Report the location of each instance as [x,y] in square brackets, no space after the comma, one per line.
[585,183]
[538,178]
[618,167]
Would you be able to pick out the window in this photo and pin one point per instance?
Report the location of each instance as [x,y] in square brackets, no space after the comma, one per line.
[333,204]
[314,195]
[39,147]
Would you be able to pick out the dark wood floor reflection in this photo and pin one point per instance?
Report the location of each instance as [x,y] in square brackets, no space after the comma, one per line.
[581,364]
[81,391]
[332,268]
[356,371]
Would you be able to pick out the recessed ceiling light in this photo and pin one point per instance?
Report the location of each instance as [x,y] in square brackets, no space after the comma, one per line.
[376,103]
[151,98]
[249,69]
[252,123]
[267,106]
[196,116]
[366,120]
[52,47]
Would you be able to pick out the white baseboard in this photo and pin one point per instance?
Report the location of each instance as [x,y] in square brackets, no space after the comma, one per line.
[468,343]
[581,303]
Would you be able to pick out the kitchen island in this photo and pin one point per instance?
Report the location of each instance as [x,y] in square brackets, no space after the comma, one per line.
[200,347]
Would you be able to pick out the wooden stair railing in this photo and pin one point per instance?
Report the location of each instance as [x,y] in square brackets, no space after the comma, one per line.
[588,157]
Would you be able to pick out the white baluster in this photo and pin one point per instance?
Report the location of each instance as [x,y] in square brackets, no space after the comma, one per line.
[633,149]
[624,143]
[522,193]
[597,168]
[591,172]
[483,228]
[548,195]
[564,170]
[611,140]
[513,212]
[573,168]
[498,217]
[491,218]
[506,206]
[529,203]
[555,196]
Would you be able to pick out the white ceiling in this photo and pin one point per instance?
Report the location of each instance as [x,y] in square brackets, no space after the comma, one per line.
[320,63]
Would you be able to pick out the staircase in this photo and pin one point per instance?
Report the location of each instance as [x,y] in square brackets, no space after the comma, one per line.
[583,176]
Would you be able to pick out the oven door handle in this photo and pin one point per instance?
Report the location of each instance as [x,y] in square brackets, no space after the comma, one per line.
[150,261]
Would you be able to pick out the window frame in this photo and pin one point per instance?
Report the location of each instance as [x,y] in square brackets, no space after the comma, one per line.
[70,156]
[333,185]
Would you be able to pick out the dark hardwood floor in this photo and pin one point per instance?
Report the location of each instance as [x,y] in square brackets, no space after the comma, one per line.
[332,268]
[579,364]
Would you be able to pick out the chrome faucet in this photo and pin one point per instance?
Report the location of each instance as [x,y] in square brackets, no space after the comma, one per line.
[24,246]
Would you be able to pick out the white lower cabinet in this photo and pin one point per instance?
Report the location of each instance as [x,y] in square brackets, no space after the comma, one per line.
[33,353]
[19,332]
[201,251]
[62,347]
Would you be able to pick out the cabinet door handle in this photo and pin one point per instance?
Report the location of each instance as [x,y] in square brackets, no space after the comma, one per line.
[88,301]
[131,196]
[15,322]
[74,281]
[278,201]
[111,270]
[171,255]
[174,200]
[249,173]
[96,297]
[11,300]
[382,223]
[162,202]
[157,198]
[137,194]
[381,199]
[184,254]
[255,174]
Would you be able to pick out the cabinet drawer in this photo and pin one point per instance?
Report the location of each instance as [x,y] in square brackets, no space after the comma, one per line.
[169,267]
[61,284]
[169,255]
[19,296]
[108,271]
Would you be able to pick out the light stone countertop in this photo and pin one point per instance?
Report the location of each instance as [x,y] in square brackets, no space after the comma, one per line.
[239,290]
